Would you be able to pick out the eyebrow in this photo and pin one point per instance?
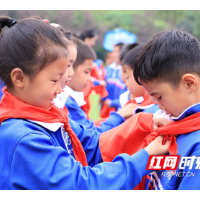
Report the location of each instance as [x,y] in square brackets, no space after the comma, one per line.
[59,74]
[153,93]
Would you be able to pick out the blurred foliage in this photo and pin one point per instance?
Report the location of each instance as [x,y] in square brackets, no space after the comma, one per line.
[143,23]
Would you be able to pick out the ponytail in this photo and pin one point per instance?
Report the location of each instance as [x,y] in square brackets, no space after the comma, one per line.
[6,21]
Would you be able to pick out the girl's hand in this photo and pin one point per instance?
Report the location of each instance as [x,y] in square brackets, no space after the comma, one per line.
[107,102]
[103,83]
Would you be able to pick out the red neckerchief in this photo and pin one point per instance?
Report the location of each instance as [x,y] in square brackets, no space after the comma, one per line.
[11,107]
[187,125]
[147,101]
[137,132]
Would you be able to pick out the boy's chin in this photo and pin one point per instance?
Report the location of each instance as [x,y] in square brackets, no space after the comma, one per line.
[173,116]
[170,114]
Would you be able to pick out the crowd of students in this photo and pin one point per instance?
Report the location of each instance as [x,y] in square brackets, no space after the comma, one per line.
[149,106]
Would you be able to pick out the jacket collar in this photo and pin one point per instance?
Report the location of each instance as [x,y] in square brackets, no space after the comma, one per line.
[61,98]
[115,66]
[186,113]
[77,96]
[125,97]
[50,126]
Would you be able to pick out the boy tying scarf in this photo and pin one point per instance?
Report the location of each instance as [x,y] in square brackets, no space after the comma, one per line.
[168,68]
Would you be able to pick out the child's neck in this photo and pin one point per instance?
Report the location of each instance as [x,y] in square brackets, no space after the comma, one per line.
[118,63]
[70,87]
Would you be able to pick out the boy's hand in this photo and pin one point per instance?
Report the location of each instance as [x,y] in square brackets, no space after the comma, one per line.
[158,122]
[156,147]
[127,111]
[103,83]
[107,102]
[92,79]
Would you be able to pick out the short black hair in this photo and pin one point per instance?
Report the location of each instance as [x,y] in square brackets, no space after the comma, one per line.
[87,33]
[167,56]
[120,45]
[125,49]
[132,55]
[83,52]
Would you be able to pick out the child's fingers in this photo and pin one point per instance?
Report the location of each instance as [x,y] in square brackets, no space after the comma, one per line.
[157,148]
[158,122]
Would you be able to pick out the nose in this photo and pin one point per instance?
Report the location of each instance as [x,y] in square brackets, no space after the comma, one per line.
[153,99]
[88,78]
[161,106]
[59,88]
[126,82]
[71,72]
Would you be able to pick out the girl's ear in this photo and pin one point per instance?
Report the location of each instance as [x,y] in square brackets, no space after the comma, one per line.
[17,77]
[190,81]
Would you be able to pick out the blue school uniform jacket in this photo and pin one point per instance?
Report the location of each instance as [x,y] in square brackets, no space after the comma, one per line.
[115,85]
[151,109]
[183,179]
[36,156]
[78,115]
[1,93]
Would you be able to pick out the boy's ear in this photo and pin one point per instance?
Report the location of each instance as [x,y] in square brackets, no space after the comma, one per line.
[17,77]
[190,81]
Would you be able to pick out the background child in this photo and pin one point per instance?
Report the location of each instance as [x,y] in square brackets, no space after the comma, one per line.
[75,87]
[169,69]
[96,82]
[108,57]
[125,96]
[89,37]
[125,49]
[32,142]
[138,92]
[115,85]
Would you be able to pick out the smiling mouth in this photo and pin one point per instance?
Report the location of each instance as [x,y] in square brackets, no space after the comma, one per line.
[68,81]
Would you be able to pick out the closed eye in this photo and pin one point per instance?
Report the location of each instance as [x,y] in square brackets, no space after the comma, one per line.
[55,81]
[160,98]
